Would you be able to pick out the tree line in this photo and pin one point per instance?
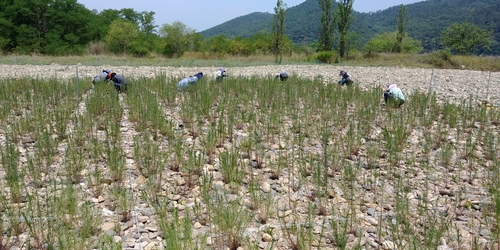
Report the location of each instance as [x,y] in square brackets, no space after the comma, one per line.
[66,27]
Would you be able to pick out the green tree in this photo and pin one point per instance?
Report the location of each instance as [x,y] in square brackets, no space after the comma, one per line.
[19,27]
[27,39]
[241,46]
[147,32]
[354,41]
[465,37]
[147,22]
[344,13]
[68,30]
[130,15]
[279,30]
[328,23]
[101,22]
[401,22]
[54,27]
[262,42]
[217,45]
[196,42]
[6,27]
[176,39]
[121,35]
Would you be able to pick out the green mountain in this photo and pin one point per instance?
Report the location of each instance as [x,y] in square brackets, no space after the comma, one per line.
[426,20]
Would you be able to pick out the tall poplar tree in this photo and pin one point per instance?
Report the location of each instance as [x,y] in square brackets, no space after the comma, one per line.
[344,13]
[279,30]
[401,21]
[327,28]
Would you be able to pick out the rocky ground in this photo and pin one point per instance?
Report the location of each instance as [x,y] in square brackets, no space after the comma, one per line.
[451,85]
[142,231]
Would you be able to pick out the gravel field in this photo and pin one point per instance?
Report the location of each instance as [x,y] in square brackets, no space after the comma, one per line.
[464,199]
[451,85]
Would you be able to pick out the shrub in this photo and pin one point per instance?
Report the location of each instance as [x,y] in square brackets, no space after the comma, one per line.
[97,48]
[139,50]
[354,55]
[325,56]
[440,58]
[370,55]
[385,43]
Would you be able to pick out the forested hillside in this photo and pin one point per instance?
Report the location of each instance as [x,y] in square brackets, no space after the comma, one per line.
[66,27]
[426,20]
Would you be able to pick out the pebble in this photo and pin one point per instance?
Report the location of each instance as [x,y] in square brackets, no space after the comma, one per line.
[151,228]
[485,232]
[388,245]
[371,220]
[107,226]
[371,229]
[266,187]
[266,237]
[370,211]
[147,211]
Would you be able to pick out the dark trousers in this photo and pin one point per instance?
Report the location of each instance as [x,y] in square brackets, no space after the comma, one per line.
[344,81]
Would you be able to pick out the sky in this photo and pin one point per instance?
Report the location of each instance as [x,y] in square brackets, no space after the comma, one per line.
[200,15]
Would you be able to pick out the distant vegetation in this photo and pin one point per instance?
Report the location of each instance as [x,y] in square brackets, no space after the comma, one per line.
[66,27]
[426,21]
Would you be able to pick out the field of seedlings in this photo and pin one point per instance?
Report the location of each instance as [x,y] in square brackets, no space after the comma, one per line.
[249,163]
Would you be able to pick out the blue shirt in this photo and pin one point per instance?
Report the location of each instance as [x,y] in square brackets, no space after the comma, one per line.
[184,83]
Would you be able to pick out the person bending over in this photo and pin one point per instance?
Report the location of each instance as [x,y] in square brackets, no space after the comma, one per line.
[394,95]
[283,76]
[103,76]
[119,81]
[220,74]
[188,81]
[346,78]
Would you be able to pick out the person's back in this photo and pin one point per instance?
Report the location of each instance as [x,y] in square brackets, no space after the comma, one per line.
[99,78]
[394,94]
[103,76]
[191,80]
[283,76]
[119,79]
[120,82]
[220,74]
[397,93]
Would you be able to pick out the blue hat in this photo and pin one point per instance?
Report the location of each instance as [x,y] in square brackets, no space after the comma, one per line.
[106,70]
[199,75]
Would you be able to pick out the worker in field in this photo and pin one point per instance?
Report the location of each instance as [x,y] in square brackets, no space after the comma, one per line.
[283,76]
[188,81]
[119,81]
[346,78]
[103,76]
[394,95]
[220,74]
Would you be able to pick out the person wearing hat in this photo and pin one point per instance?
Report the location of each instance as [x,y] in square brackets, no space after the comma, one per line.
[283,76]
[346,78]
[394,95]
[191,80]
[220,74]
[120,82]
[103,76]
